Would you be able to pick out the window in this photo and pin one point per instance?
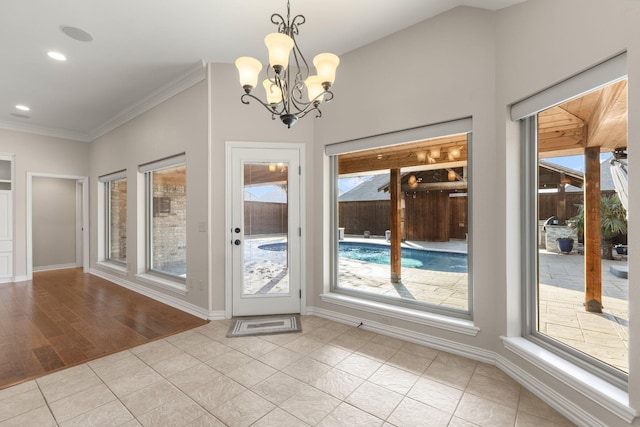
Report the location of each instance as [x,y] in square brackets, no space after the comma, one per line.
[115,214]
[166,217]
[576,224]
[400,222]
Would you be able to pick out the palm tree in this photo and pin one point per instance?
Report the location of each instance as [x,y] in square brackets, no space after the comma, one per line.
[613,221]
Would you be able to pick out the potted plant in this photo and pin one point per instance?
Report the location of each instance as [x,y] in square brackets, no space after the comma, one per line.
[565,244]
[613,221]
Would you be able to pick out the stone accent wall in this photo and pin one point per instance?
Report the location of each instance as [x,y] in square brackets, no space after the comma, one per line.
[118,220]
[170,228]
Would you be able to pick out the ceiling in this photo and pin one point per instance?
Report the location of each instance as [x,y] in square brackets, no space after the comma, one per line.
[140,47]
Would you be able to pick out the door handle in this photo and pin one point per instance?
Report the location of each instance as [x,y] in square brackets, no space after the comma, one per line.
[237,229]
[237,242]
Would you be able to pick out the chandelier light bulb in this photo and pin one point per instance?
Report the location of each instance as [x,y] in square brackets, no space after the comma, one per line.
[422,156]
[455,152]
[435,152]
[279,46]
[249,69]
[451,175]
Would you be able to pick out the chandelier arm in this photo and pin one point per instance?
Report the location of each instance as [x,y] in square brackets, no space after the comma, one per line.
[272,108]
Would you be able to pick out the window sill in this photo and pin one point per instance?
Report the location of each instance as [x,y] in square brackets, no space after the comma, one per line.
[113,268]
[591,386]
[447,323]
[168,285]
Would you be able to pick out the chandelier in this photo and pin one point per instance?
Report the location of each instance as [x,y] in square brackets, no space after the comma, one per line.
[291,91]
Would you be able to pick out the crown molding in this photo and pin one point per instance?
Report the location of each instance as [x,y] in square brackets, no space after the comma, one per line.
[194,75]
[45,131]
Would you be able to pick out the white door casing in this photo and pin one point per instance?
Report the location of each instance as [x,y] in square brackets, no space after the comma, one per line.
[264,261]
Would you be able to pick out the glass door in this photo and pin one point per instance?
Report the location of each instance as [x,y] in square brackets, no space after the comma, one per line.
[265,231]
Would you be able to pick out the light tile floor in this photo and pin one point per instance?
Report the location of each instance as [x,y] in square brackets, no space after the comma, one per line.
[329,375]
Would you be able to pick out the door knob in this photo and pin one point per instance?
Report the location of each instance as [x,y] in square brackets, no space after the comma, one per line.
[237,229]
[237,242]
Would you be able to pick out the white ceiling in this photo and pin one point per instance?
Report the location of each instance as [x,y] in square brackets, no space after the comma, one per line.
[141,46]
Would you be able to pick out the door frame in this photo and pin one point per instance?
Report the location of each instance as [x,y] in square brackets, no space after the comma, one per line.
[228,274]
[82,181]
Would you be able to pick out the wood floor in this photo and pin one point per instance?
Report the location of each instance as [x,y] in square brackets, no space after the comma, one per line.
[66,317]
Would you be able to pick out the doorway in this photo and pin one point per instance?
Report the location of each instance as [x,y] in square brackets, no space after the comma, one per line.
[264,228]
[79,240]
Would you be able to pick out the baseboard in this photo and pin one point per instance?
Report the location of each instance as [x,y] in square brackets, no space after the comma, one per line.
[551,397]
[454,347]
[187,307]
[548,395]
[56,267]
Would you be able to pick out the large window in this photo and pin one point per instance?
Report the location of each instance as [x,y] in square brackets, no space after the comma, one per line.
[115,230]
[401,224]
[166,217]
[576,228]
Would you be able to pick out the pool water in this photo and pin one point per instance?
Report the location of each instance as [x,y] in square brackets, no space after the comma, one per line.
[381,254]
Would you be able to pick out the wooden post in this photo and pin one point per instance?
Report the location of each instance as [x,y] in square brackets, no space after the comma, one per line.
[395,226]
[562,201]
[592,244]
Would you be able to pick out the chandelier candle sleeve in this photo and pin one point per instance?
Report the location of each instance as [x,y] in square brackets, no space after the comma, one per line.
[249,69]
[292,90]
[326,64]
[279,46]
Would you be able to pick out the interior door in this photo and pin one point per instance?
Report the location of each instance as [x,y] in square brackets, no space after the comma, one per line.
[265,233]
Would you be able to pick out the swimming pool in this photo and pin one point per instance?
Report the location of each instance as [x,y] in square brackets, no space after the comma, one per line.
[381,254]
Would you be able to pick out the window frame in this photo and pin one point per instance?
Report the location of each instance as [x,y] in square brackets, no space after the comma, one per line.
[147,170]
[399,138]
[107,181]
[530,266]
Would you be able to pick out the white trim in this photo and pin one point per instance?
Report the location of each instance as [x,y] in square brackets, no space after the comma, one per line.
[159,296]
[178,159]
[547,394]
[113,267]
[608,396]
[191,77]
[433,320]
[442,344]
[46,131]
[452,127]
[195,74]
[55,267]
[593,78]
[113,176]
[168,285]
[14,279]
[229,146]
[556,400]
[84,181]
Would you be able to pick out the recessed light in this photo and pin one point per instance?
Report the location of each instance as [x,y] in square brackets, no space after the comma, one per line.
[22,107]
[56,55]
[76,33]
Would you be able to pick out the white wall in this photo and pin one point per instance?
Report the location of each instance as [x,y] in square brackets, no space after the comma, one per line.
[439,70]
[469,62]
[53,222]
[175,126]
[38,154]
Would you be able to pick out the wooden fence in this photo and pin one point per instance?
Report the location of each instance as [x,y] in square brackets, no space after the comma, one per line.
[430,216]
[265,218]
